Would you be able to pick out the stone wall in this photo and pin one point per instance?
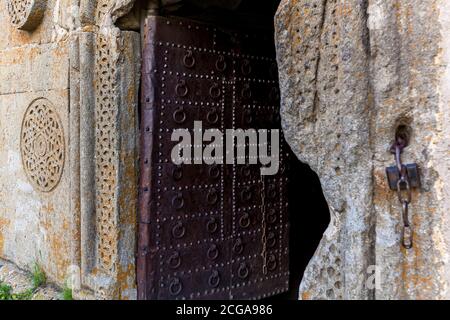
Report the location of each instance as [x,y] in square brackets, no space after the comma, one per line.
[409,67]
[34,125]
[68,152]
[351,73]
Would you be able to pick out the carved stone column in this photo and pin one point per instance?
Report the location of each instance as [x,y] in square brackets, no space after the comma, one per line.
[108,83]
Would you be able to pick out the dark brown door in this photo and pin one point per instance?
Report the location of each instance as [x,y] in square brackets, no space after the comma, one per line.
[208,231]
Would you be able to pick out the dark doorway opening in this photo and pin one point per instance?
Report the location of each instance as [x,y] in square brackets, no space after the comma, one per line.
[308,210]
[308,217]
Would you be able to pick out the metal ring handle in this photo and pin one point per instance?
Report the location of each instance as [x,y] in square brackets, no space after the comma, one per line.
[212,116]
[178,201]
[243,271]
[174,260]
[179,115]
[221,64]
[238,247]
[214,279]
[272,216]
[178,231]
[272,263]
[244,221]
[188,59]
[271,240]
[181,89]
[213,252]
[215,91]
[175,286]
[212,225]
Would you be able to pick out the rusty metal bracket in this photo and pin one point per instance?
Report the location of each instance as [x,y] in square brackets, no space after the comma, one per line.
[393,176]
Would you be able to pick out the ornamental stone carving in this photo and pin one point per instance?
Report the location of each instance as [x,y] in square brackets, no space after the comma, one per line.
[26,14]
[42,145]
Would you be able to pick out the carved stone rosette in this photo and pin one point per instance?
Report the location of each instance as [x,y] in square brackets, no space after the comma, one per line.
[26,14]
[42,145]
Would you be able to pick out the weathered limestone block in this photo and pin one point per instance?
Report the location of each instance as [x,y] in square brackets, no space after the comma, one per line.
[36,224]
[409,71]
[34,182]
[343,98]
[322,49]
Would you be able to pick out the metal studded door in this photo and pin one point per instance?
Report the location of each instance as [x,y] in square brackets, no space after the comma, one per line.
[208,231]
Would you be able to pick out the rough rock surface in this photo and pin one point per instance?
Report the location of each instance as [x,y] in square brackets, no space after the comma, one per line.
[34,225]
[409,76]
[322,49]
[351,72]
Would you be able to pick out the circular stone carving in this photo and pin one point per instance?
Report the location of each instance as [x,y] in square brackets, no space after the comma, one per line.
[42,145]
[26,14]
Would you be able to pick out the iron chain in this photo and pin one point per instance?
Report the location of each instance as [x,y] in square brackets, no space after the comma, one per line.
[403,192]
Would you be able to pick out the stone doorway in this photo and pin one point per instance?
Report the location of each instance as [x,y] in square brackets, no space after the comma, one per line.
[308,211]
[350,73]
